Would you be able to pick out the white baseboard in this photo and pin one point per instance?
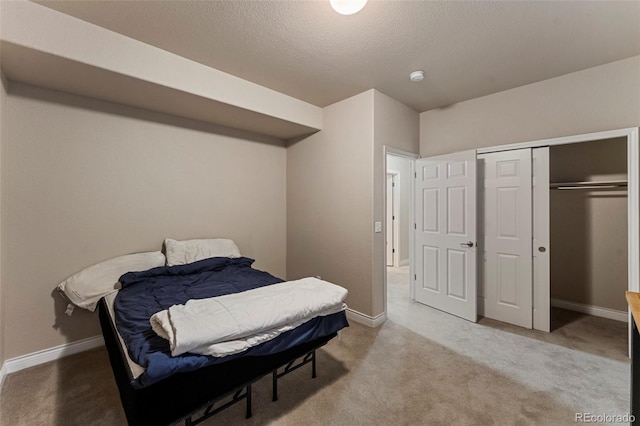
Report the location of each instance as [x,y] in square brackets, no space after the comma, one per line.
[591,310]
[40,357]
[3,373]
[361,318]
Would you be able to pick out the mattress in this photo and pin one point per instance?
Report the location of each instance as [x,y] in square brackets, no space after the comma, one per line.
[307,331]
[146,293]
[134,369]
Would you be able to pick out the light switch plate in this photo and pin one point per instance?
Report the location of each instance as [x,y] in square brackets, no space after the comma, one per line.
[378,226]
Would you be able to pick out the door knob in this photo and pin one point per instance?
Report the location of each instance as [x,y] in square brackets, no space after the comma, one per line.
[467,244]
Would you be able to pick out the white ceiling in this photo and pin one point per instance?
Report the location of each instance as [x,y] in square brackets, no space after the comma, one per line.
[305,50]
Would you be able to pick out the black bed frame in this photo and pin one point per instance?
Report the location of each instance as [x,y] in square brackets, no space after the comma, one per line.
[183,395]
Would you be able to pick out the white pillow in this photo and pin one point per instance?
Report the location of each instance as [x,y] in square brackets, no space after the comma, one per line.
[88,286]
[187,251]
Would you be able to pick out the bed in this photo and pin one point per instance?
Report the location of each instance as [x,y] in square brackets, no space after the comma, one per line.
[156,385]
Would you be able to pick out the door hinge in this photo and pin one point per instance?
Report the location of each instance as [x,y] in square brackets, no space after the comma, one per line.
[415,175]
[393,250]
[415,277]
[415,226]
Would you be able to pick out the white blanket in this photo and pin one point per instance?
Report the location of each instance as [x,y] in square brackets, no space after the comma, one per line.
[232,323]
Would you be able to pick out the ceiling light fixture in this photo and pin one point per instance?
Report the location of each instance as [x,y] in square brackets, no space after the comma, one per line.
[416,76]
[347,7]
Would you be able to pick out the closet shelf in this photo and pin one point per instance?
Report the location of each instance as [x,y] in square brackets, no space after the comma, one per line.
[611,184]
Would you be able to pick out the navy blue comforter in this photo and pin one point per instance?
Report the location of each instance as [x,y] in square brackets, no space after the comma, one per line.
[145,293]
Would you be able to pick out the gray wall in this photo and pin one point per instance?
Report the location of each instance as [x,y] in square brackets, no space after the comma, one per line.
[85,180]
[335,190]
[329,201]
[601,98]
[589,227]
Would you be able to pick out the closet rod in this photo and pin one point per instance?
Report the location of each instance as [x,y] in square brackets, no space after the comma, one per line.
[614,184]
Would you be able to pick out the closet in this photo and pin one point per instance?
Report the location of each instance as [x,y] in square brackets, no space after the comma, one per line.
[571,202]
[588,227]
[507,232]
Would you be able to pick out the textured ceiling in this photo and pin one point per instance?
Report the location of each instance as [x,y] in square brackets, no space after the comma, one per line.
[305,50]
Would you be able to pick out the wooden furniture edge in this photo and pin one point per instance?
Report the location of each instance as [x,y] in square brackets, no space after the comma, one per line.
[633,299]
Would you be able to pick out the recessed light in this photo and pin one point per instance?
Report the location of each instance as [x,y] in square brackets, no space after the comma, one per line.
[416,76]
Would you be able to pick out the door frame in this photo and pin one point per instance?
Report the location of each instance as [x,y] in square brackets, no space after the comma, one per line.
[396,211]
[541,238]
[389,150]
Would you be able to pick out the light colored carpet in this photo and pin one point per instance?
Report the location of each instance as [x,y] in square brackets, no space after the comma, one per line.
[421,367]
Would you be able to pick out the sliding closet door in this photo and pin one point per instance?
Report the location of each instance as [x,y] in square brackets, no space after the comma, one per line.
[541,240]
[507,237]
[445,233]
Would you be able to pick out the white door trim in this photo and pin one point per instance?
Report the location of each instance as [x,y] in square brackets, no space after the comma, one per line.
[396,211]
[541,238]
[587,137]
[633,202]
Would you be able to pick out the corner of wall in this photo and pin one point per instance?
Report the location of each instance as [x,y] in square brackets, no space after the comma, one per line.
[329,200]
[398,126]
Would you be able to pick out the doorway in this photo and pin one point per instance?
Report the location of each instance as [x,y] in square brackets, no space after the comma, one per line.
[398,222]
[589,229]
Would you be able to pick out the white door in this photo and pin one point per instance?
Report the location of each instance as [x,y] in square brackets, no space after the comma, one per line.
[541,254]
[390,220]
[506,238]
[445,233]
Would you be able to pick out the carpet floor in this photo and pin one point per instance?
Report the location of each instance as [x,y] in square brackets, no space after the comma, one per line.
[421,367]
